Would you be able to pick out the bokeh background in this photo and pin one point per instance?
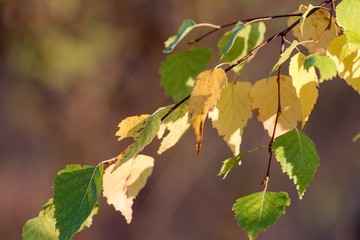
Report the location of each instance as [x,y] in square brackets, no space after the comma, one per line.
[71,70]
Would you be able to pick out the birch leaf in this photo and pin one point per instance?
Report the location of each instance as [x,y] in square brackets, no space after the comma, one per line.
[131,126]
[146,134]
[231,113]
[325,65]
[186,26]
[303,18]
[315,25]
[346,13]
[298,158]
[285,55]
[122,185]
[230,163]
[76,192]
[42,226]
[176,124]
[203,98]
[246,39]
[347,61]
[258,211]
[305,83]
[264,97]
[180,69]
[234,32]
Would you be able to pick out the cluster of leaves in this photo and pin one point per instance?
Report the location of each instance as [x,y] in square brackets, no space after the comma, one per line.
[282,102]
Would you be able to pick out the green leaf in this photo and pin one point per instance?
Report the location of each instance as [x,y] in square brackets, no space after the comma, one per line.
[246,39]
[186,26]
[42,226]
[88,221]
[325,65]
[230,163]
[179,70]
[146,135]
[285,55]
[234,32]
[257,211]
[76,193]
[298,158]
[346,13]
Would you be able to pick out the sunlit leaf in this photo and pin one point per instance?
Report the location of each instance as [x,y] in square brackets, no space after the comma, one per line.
[42,226]
[325,65]
[304,16]
[232,112]
[346,13]
[298,158]
[76,192]
[315,27]
[203,98]
[146,134]
[264,97]
[234,32]
[131,126]
[347,60]
[230,163]
[305,83]
[121,186]
[257,211]
[246,39]
[176,124]
[285,55]
[186,26]
[179,70]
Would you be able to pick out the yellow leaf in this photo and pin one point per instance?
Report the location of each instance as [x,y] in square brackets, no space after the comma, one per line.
[264,96]
[314,26]
[203,98]
[347,60]
[232,112]
[131,126]
[122,185]
[176,124]
[305,83]
[144,136]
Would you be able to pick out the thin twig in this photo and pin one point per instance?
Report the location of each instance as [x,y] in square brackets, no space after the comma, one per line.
[282,33]
[264,18]
[254,50]
[278,112]
[175,107]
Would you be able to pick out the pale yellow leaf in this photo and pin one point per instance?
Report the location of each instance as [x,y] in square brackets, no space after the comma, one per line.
[203,98]
[313,29]
[176,124]
[232,112]
[264,97]
[122,185]
[347,60]
[131,126]
[305,83]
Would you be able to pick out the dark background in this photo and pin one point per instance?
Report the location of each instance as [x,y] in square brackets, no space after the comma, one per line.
[70,71]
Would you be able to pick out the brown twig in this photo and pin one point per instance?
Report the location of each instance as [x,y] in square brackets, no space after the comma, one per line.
[243,21]
[278,112]
[254,50]
[282,33]
[175,107]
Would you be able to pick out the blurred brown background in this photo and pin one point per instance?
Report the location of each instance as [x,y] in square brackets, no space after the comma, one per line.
[71,70]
